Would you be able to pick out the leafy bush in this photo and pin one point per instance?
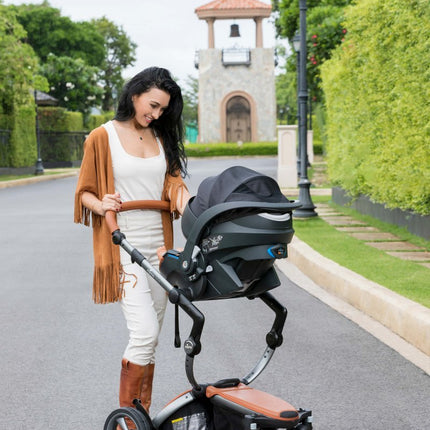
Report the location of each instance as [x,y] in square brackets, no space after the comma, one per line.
[377,94]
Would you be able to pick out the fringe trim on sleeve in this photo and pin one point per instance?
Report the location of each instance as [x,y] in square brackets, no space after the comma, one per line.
[82,213]
[104,278]
[174,192]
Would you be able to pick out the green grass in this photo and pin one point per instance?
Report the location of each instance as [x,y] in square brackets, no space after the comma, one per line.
[13,177]
[407,278]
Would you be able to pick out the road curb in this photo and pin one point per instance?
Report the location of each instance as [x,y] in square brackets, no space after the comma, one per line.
[35,179]
[288,192]
[408,319]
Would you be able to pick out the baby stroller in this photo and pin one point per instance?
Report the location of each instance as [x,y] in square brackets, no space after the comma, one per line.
[236,226]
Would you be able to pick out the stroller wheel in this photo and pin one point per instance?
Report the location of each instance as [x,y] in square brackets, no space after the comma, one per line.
[125,419]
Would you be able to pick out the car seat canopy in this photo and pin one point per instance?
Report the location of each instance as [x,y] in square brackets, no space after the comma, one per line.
[236,184]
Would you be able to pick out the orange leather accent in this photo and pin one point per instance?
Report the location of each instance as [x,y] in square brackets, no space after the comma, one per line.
[146,391]
[146,204]
[258,401]
[130,386]
[131,380]
[160,205]
[111,221]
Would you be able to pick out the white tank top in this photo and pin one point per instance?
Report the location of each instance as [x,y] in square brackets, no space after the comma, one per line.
[136,178]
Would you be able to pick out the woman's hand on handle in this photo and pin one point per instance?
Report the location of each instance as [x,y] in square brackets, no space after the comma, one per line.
[109,202]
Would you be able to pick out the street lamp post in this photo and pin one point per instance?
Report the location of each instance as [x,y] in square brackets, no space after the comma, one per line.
[308,208]
[296,46]
[39,164]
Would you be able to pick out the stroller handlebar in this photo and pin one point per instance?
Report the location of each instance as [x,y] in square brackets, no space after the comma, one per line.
[110,216]
[192,345]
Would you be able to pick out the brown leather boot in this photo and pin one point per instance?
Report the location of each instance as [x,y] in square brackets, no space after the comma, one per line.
[130,385]
[146,391]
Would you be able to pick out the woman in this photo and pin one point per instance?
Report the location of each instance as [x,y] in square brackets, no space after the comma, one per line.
[137,156]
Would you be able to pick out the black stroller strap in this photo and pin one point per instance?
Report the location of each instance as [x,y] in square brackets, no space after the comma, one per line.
[177,334]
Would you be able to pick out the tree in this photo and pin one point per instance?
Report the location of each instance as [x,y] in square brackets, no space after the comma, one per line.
[50,33]
[99,43]
[18,64]
[325,31]
[73,83]
[190,95]
[120,52]
[287,13]
[286,97]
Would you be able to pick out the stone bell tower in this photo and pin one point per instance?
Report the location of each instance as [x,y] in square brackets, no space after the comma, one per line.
[237,99]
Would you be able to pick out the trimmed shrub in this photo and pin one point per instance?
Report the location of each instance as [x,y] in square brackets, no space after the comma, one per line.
[377,97]
[22,142]
[61,136]
[230,149]
[95,121]
[59,119]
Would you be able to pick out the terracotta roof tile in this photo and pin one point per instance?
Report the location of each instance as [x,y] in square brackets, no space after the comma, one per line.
[233,4]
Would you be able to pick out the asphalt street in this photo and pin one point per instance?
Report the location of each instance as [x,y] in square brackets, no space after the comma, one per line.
[60,354]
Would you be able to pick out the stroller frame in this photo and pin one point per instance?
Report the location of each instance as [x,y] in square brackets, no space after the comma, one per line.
[258,409]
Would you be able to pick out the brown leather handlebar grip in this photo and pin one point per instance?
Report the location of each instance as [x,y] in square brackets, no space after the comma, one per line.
[110,216]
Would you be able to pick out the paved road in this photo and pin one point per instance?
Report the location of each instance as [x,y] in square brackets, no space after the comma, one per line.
[60,354]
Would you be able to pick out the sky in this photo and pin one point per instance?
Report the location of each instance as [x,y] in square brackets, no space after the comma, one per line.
[167,32]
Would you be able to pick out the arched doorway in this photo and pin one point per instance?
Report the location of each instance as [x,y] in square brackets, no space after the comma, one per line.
[238,120]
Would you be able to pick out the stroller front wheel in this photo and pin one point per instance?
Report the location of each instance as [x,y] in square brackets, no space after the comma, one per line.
[123,418]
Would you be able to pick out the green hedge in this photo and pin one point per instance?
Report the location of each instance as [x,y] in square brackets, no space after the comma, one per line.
[377,94]
[59,119]
[95,121]
[22,143]
[230,149]
[233,149]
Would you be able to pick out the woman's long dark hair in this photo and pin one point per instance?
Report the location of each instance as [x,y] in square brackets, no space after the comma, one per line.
[169,125]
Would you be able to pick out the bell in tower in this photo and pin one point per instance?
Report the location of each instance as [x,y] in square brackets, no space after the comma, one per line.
[234,30]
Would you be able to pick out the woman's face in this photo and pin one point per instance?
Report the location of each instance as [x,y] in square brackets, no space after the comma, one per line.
[150,105]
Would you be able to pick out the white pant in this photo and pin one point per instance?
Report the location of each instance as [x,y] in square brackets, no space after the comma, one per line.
[144,301]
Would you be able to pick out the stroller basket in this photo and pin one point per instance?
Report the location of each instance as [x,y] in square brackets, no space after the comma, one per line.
[236,226]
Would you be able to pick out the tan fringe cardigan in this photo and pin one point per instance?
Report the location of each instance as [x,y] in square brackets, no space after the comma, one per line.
[96,176]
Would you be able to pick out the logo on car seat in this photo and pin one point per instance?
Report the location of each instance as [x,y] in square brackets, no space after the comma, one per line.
[211,243]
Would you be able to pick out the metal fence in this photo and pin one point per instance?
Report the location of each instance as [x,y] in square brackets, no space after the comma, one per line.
[61,149]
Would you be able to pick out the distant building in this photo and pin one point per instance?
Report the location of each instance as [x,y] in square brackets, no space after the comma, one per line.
[43,99]
[237,100]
